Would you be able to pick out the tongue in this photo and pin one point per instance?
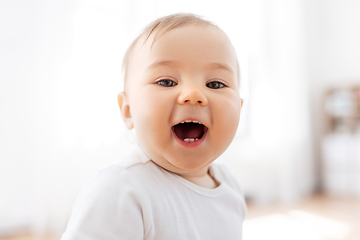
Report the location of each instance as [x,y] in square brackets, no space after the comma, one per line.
[189,130]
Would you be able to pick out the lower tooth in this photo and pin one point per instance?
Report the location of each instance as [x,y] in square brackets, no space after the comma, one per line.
[189,140]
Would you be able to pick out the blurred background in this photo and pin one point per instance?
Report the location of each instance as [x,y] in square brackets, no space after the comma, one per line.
[296,154]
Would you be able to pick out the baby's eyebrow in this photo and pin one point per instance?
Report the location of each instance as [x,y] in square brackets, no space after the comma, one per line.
[209,67]
[164,63]
[216,66]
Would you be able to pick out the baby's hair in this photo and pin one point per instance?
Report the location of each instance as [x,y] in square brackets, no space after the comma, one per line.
[163,25]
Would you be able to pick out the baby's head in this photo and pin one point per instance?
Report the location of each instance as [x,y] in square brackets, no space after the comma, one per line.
[182,92]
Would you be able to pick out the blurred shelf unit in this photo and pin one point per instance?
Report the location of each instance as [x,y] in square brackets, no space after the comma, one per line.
[340,144]
[342,110]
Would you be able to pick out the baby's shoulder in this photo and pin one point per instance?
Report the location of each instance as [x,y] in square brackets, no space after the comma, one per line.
[127,169]
[134,159]
[221,171]
[122,178]
[224,174]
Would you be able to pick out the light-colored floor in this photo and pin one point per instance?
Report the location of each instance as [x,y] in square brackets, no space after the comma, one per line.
[316,218]
[29,237]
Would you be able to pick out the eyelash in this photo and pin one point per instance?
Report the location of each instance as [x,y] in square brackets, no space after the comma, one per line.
[171,83]
[166,83]
[216,85]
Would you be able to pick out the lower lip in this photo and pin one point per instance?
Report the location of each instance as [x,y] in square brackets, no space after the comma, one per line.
[190,144]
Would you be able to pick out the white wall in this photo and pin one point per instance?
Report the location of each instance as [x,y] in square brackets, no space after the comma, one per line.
[59,121]
[333,53]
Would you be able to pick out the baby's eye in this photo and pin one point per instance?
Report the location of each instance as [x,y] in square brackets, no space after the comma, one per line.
[215,85]
[166,83]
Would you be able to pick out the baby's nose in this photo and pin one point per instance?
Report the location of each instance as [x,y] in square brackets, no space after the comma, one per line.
[192,95]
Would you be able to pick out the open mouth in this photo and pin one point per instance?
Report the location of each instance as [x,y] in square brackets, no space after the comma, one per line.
[189,131]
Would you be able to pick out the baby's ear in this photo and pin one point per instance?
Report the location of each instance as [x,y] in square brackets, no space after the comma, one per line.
[125,110]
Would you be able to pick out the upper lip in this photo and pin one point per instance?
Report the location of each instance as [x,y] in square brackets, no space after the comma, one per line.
[194,120]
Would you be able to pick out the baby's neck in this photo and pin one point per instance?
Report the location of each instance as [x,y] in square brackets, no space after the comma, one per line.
[206,180]
[201,178]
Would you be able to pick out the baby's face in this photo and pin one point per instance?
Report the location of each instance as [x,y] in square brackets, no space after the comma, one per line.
[183,98]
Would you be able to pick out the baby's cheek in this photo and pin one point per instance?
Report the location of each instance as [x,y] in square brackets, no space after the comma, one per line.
[228,121]
[153,124]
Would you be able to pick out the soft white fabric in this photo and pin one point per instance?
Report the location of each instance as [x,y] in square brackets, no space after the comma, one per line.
[136,199]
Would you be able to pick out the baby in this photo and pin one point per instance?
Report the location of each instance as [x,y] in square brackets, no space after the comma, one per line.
[181,95]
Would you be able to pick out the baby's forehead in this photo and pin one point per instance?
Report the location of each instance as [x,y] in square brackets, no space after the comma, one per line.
[146,43]
[157,34]
[151,38]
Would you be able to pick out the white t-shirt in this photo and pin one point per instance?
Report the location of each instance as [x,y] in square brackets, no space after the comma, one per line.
[136,199]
